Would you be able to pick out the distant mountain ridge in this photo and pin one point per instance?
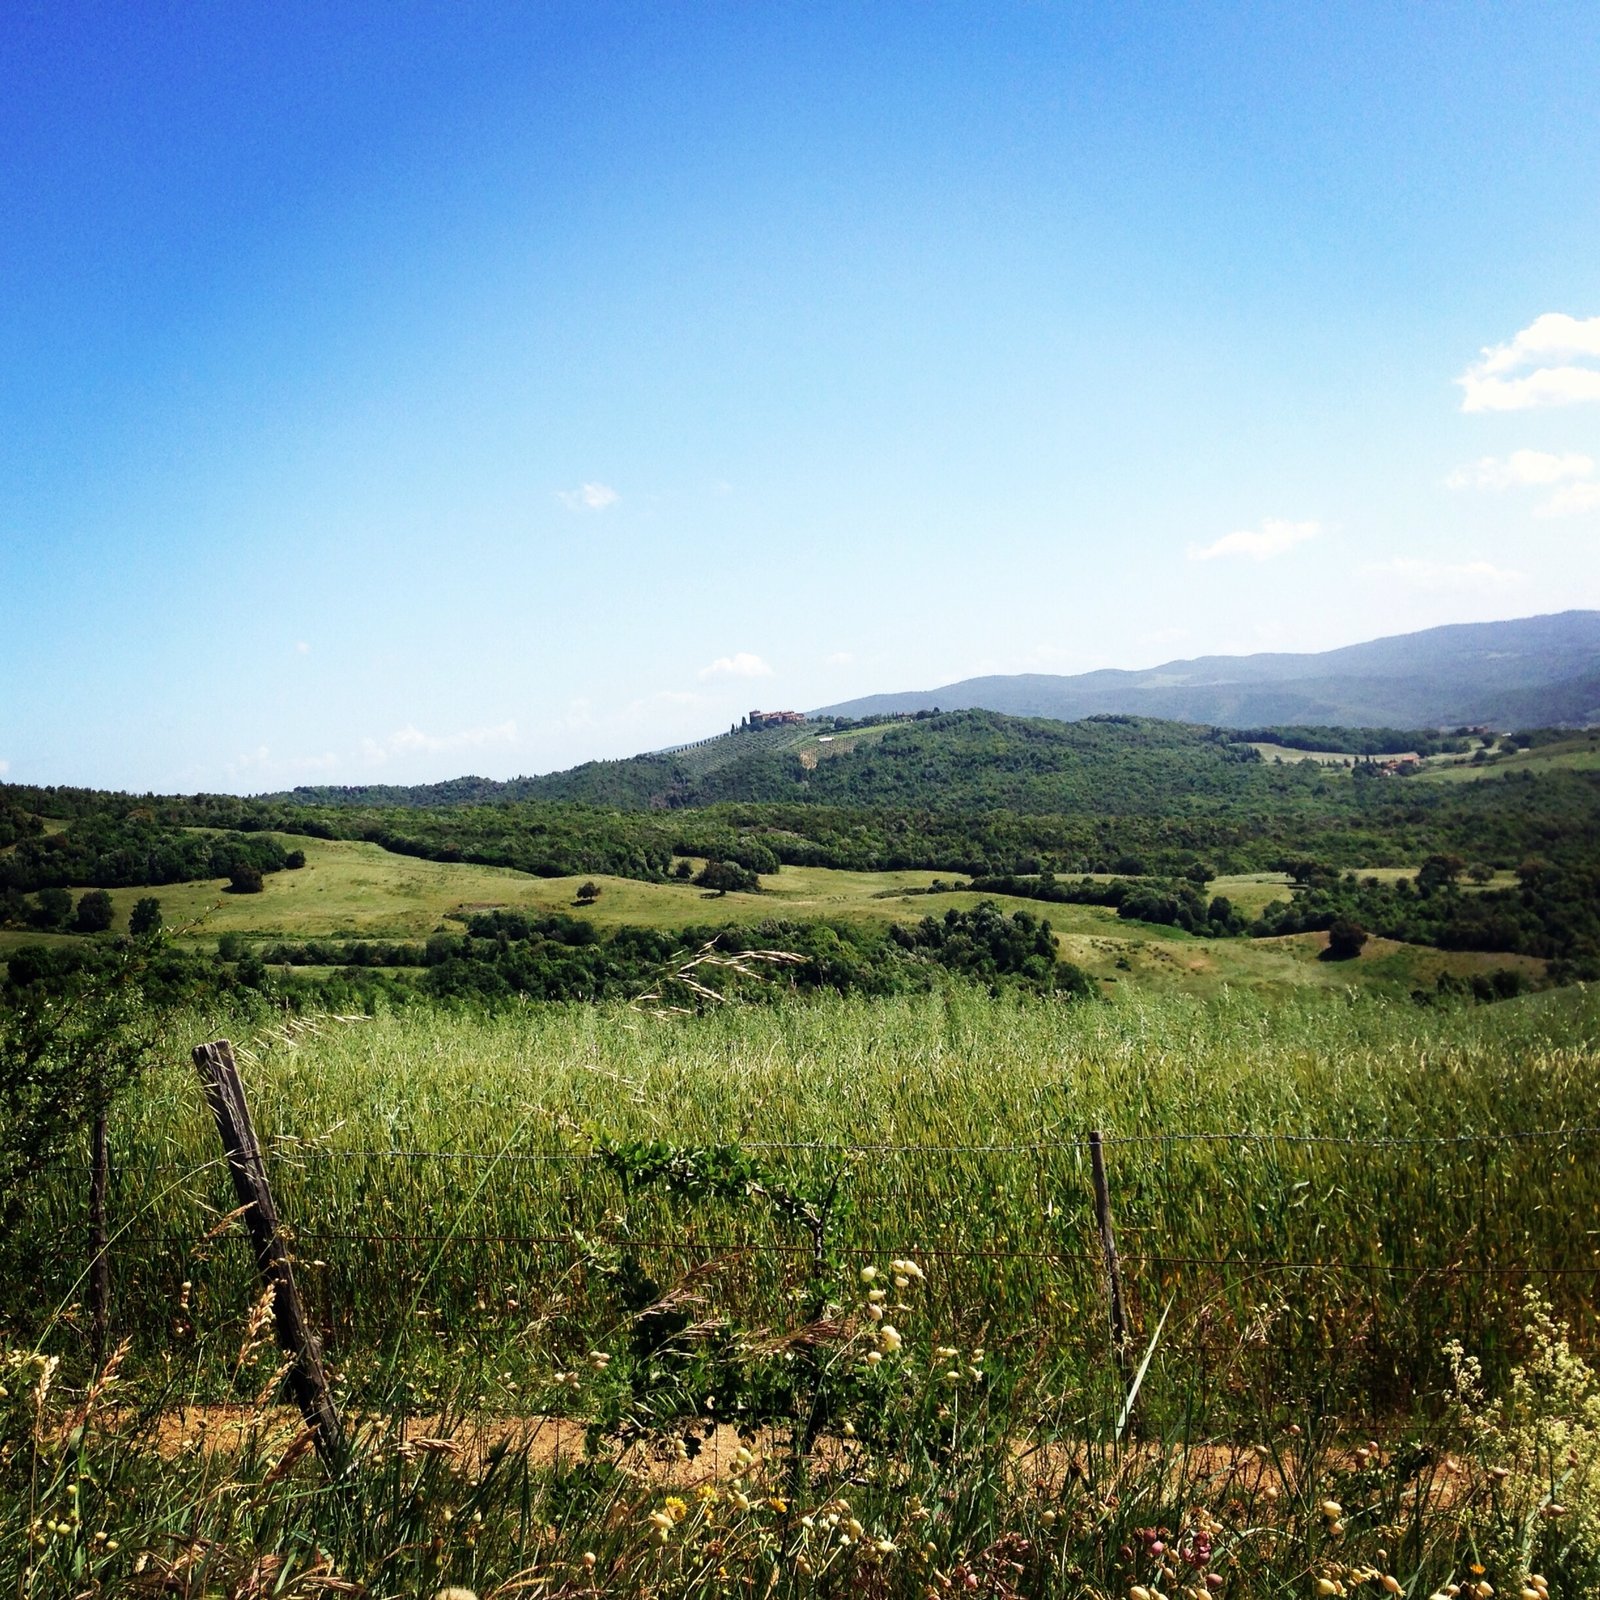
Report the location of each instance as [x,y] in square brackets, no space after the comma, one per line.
[1534,672]
[1525,672]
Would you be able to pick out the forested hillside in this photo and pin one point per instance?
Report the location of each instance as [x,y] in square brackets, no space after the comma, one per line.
[970,792]
[958,761]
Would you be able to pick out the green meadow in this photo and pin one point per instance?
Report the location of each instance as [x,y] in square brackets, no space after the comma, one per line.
[355,890]
[760,1290]
[646,1306]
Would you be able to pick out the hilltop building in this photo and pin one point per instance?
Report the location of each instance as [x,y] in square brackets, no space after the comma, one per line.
[757,720]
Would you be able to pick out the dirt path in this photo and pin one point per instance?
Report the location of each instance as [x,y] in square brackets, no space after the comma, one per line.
[714,1452]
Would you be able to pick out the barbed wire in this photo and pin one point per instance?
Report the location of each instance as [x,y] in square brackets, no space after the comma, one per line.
[288,1150]
[712,1249]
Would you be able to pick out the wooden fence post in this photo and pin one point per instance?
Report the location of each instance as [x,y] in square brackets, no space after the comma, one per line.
[1108,1247]
[307,1382]
[99,1244]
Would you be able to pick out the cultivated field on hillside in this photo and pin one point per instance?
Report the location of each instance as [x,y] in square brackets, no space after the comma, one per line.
[1578,753]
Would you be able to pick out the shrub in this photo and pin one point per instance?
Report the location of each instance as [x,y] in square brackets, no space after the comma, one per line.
[725,875]
[52,909]
[94,912]
[1345,939]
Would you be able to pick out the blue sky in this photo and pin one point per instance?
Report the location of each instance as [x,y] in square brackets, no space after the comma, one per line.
[395,391]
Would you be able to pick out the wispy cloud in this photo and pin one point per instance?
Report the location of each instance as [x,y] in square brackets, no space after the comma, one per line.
[5,767]
[1163,638]
[588,497]
[1551,362]
[261,766]
[1575,500]
[1579,492]
[1272,538]
[740,665]
[839,658]
[301,648]
[1445,577]
[411,740]
[1522,469]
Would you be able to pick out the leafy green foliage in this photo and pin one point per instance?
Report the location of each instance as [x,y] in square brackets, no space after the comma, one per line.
[725,876]
[1177,903]
[1358,741]
[505,954]
[111,849]
[1553,912]
[73,1035]
[993,948]
[16,823]
[244,877]
[94,912]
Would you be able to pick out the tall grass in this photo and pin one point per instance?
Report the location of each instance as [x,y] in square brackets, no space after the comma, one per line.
[438,1172]
[465,1249]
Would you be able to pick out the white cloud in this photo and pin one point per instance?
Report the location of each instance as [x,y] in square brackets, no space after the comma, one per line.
[301,648]
[1555,335]
[1272,538]
[1574,500]
[1163,638]
[1438,576]
[1578,493]
[250,761]
[588,497]
[1521,469]
[410,740]
[261,766]
[5,767]
[1547,364]
[839,658]
[741,665]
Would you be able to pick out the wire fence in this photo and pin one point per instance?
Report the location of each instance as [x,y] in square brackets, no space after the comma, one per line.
[713,1249]
[294,1148]
[1450,1260]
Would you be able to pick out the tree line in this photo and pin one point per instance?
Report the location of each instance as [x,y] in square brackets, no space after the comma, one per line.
[1553,911]
[516,954]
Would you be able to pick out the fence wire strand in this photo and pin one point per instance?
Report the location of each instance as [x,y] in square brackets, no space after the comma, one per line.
[290,1149]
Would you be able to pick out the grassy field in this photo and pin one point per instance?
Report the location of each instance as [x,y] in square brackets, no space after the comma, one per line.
[989,1097]
[581,1212]
[1580,753]
[1289,753]
[356,890]
[809,742]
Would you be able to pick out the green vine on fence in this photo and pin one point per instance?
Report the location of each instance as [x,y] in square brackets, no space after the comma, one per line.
[748,1379]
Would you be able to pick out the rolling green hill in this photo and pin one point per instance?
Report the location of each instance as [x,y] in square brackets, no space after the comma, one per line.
[972,763]
[959,761]
[973,793]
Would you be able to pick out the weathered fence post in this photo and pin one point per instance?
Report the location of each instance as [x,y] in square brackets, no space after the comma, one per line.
[1108,1247]
[99,1244]
[307,1382]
